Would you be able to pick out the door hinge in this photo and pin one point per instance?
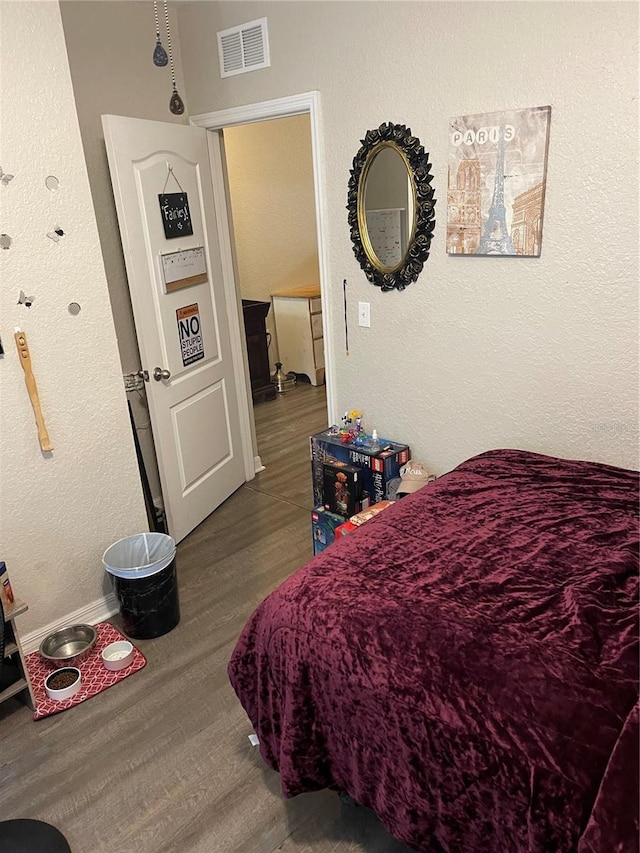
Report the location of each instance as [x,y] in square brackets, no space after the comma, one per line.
[135,381]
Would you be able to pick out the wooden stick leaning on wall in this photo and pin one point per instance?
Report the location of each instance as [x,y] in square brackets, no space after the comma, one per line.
[32,388]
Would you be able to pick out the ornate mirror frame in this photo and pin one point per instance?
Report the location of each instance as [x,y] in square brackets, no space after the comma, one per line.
[399,137]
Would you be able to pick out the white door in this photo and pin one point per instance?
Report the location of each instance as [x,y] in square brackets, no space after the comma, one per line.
[180,311]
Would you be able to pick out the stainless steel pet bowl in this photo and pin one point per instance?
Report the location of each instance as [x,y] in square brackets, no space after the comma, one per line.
[68,646]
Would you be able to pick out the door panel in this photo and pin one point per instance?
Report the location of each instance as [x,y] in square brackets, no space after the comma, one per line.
[183,329]
[202,420]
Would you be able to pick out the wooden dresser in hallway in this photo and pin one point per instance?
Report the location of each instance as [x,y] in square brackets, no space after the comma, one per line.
[298,318]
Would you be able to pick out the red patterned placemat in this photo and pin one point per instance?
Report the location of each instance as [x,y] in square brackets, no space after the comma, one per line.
[95,678]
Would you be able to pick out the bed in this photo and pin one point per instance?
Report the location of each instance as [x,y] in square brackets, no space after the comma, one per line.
[466,663]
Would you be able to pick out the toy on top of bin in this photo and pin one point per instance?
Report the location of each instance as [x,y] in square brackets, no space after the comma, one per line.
[352,431]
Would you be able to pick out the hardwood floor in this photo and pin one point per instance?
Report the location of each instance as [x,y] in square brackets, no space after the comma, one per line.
[161,762]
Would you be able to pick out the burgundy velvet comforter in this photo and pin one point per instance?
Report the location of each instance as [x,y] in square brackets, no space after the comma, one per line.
[466,663]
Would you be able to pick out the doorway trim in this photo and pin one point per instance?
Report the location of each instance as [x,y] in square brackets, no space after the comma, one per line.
[307,103]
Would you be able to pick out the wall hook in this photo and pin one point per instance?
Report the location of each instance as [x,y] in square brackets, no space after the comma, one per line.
[55,235]
[27,301]
[4,178]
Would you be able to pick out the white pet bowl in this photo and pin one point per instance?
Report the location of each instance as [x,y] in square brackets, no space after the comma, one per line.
[68,690]
[117,655]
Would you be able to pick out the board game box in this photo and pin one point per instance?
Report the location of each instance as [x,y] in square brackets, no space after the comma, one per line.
[323,525]
[378,468]
[341,488]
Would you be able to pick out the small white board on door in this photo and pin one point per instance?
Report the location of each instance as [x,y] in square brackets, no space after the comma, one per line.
[182,269]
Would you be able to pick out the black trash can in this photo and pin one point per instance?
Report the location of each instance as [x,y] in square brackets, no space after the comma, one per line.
[143,574]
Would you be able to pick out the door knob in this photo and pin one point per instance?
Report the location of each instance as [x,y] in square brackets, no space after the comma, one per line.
[159,373]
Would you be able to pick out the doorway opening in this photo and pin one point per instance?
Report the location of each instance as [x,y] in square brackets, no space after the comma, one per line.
[269,168]
[271,181]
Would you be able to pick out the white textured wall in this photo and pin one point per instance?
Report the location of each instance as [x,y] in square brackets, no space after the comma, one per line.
[110,46]
[58,512]
[270,175]
[479,352]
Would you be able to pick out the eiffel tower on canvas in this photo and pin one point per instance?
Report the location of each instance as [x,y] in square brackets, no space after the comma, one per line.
[495,239]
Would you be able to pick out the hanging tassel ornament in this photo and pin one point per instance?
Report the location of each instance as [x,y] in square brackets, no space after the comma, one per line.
[160,57]
[176,104]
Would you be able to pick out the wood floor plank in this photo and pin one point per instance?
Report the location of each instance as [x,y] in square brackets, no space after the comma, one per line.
[161,762]
[283,427]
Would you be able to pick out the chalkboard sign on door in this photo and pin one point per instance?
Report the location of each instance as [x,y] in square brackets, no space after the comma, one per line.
[176,216]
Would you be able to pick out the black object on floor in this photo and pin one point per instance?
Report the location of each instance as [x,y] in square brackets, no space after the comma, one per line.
[31,836]
[149,607]
[143,573]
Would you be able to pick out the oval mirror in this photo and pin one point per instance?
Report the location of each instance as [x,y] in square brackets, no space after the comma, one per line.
[391,206]
[386,207]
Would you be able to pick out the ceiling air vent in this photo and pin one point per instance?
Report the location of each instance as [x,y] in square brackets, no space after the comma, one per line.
[244,48]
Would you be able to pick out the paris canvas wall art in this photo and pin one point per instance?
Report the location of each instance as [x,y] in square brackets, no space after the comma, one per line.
[497,174]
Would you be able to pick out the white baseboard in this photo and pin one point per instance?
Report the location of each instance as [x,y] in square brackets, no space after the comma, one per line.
[91,614]
[257,465]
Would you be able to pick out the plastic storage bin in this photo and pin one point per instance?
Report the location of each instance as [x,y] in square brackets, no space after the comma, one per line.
[143,572]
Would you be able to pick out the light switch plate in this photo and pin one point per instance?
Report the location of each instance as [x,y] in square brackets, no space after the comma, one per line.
[364,314]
